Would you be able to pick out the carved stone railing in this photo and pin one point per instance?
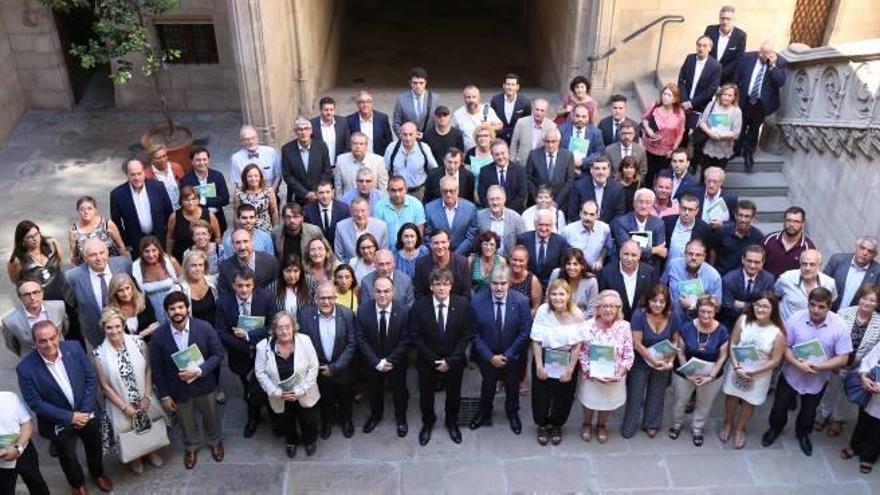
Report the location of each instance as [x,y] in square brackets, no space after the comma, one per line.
[829,102]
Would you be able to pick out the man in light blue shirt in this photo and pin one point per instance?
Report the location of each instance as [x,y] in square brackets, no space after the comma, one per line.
[399,208]
[252,151]
[681,273]
[410,159]
[246,216]
[591,235]
[365,187]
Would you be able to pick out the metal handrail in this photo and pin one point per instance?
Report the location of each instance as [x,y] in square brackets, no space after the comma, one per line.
[662,20]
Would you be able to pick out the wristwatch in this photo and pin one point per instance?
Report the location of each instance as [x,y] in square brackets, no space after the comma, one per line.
[19,448]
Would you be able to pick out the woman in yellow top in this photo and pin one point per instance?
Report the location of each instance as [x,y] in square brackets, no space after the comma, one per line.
[346,287]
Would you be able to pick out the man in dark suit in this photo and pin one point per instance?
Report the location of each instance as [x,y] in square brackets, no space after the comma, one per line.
[760,76]
[327,211]
[728,244]
[83,281]
[510,106]
[332,131]
[59,385]
[643,275]
[200,177]
[441,136]
[440,329]
[698,79]
[645,228]
[241,335]
[509,175]
[452,168]
[382,340]
[192,388]
[610,125]
[682,180]
[139,207]
[681,228]
[709,195]
[850,271]
[333,330]
[546,248]
[501,337]
[728,43]
[582,138]
[599,187]
[442,257]
[373,123]
[304,162]
[740,284]
[552,166]
[264,266]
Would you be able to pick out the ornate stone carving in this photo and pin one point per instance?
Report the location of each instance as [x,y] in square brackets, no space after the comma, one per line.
[863,92]
[833,87]
[854,141]
[802,92]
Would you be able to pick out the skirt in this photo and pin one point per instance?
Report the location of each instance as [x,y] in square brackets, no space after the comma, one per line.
[601,396]
[753,391]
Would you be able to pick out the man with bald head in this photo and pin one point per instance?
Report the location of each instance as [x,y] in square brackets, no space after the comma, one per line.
[552,166]
[410,159]
[90,286]
[386,267]
[760,76]
[264,266]
[852,270]
[529,132]
[629,277]
[139,207]
[793,286]
[472,114]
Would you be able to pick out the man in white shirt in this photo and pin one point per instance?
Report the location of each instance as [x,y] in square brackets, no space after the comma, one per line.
[348,165]
[473,114]
[20,458]
[332,131]
[252,151]
[590,235]
[17,324]
[698,79]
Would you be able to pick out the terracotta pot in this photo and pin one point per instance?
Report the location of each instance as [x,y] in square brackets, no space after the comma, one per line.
[179,147]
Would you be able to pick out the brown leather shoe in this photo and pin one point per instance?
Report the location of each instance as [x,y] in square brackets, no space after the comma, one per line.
[189,459]
[218,453]
[80,491]
[104,483]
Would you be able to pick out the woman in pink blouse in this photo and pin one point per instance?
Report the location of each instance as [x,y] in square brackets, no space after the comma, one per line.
[604,390]
[662,130]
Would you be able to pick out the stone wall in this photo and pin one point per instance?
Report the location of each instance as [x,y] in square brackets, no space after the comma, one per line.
[553,30]
[855,20]
[12,99]
[830,125]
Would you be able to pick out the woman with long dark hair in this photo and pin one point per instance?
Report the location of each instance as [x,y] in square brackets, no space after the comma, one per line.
[36,257]
[291,289]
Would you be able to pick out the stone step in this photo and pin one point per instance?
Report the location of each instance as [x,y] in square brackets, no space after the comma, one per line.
[645,92]
[757,183]
[768,227]
[770,208]
[764,162]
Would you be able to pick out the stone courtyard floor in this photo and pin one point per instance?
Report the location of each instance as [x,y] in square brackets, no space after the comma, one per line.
[54,157]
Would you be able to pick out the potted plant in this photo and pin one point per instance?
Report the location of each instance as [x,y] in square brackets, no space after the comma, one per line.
[122,39]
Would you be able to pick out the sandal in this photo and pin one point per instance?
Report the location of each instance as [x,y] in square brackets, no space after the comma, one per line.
[724,433]
[865,468]
[698,439]
[543,436]
[556,435]
[586,432]
[834,429]
[739,439]
[820,424]
[847,453]
[602,434]
[674,432]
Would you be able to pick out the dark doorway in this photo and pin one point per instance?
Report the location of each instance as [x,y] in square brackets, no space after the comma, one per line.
[457,41]
[75,27]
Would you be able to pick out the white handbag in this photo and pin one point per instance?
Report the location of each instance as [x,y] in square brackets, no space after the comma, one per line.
[134,445]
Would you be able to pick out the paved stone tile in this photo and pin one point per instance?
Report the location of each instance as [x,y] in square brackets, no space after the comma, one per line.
[842,470]
[787,467]
[383,444]
[498,442]
[211,478]
[708,468]
[855,488]
[630,472]
[549,475]
[452,477]
[341,478]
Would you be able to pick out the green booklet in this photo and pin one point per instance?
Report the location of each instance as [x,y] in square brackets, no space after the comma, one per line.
[191,356]
[746,355]
[208,191]
[8,440]
[555,362]
[696,367]
[292,382]
[810,351]
[691,289]
[251,323]
[663,350]
[719,121]
[717,211]
[579,146]
[644,238]
[602,358]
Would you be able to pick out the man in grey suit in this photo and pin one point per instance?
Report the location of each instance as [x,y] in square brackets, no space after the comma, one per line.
[457,216]
[852,270]
[385,267]
[551,165]
[360,222]
[416,105]
[505,222]
[524,139]
[18,323]
[627,146]
[90,286]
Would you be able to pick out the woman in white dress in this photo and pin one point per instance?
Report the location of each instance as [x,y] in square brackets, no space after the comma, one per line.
[558,333]
[760,326]
[604,393]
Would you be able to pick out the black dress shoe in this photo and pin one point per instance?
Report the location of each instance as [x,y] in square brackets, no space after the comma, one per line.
[325,430]
[347,428]
[454,432]
[311,448]
[290,451]
[402,428]
[250,428]
[769,437]
[370,425]
[425,434]
[515,424]
[748,160]
[477,422]
[806,445]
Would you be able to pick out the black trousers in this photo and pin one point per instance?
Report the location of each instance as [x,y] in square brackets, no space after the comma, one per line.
[428,378]
[552,399]
[865,440]
[298,424]
[509,375]
[28,467]
[753,118]
[786,396]
[65,443]
[337,400]
[254,395]
[656,164]
[376,384]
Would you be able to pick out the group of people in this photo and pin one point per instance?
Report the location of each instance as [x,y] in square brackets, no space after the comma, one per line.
[558,256]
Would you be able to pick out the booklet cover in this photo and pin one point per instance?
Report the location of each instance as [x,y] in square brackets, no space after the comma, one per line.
[718,210]
[602,359]
[645,239]
[8,440]
[191,356]
[579,146]
[810,351]
[207,191]
[692,289]
[294,381]
[696,367]
[663,350]
[251,323]
[555,362]
[719,121]
[747,356]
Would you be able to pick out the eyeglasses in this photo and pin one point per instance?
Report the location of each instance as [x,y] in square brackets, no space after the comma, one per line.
[31,293]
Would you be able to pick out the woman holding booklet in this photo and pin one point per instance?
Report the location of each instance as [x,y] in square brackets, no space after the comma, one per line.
[757,347]
[654,328]
[702,350]
[558,332]
[865,441]
[605,360]
[287,369]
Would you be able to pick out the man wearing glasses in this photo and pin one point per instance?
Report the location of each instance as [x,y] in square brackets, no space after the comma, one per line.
[372,123]
[17,325]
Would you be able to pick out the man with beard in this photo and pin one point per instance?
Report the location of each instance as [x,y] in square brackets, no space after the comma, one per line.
[784,247]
